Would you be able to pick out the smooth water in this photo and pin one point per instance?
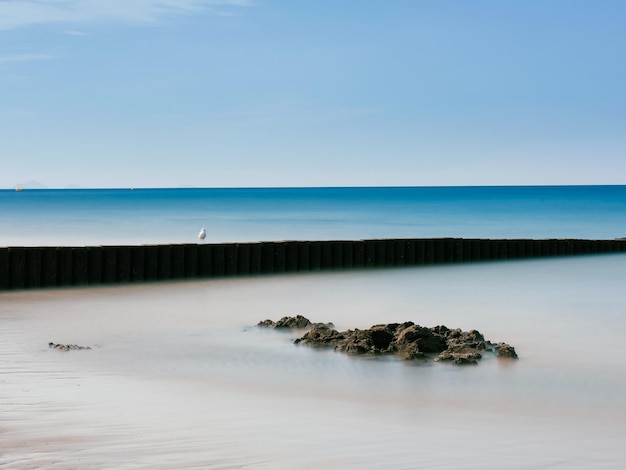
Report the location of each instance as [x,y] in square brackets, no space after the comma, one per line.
[179,376]
[149,216]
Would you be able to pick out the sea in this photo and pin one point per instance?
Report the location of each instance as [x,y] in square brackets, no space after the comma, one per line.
[180,377]
[150,216]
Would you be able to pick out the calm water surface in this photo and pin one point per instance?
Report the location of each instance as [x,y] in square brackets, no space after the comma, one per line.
[146,216]
[180,377]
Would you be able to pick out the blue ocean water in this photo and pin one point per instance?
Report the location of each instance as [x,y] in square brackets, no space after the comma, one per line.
[148,216]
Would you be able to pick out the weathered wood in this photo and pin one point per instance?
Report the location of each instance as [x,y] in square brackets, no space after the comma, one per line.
[34,267]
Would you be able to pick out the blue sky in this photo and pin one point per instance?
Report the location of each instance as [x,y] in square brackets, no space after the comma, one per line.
[167,93]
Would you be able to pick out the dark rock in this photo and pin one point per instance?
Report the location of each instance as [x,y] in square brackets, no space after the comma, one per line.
[293,322]
[465,361]
[505,351]
[321,336]
[288,322]
[67,347]
[417,336]
[440,330]
[460,354]
[411,341]
[357,342]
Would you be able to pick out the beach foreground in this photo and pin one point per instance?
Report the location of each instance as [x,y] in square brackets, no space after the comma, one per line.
[179,376]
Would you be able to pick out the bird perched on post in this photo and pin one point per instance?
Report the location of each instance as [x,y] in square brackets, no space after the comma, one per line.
[202,235]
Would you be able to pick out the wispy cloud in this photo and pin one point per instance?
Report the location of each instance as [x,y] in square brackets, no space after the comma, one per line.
[25,58]
[19,13]
[74,32]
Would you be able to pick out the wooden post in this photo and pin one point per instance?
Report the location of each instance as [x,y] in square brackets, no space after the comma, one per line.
[390,252]
[336,255]
[347,248]
[80,271]
[358,254]
[256,258]
[380,253]
[457,250]
[218,260]
[475,246]
[315,256]
[409,252]
[123,264]
[487,250]
[326,255]
[230,259]
[151,262]
[243,258]
[33,267]
[191,260]
[49,267]
[65,266]
[554,247]
[165,262]
[137,264]
[204,260]
[17,268]
[370,253]
[4,268]
[178,261]
[291,261]
[501,247]
[466,249]
[94,265]
[109,265]
[267,257]
[578,247]
[420,252]
[304,263]
[429,251]
[447,248]
[399,251]
[280,257]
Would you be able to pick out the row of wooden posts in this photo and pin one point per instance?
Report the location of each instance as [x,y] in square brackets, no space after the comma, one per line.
[36,267]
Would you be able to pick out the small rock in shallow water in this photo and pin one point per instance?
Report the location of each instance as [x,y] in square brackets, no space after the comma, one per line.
[67,347]
[297,322]
[506,351]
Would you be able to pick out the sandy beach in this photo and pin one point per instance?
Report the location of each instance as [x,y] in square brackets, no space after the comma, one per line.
[179,376]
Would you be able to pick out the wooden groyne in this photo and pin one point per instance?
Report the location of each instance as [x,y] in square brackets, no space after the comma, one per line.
[38,267]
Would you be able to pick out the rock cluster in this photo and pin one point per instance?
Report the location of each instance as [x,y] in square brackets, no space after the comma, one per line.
[66,347]
[406,339]
[293,322]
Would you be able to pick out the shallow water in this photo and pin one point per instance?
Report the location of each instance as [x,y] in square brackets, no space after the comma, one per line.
[179,376]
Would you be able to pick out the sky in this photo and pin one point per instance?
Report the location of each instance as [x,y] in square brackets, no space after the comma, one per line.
[273,93]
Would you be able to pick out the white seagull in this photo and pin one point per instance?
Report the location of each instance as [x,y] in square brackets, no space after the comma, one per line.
[202,234]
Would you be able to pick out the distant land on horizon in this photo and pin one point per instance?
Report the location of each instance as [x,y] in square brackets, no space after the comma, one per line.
[35,184]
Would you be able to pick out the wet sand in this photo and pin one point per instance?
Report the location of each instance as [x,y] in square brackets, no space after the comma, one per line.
[179,377]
